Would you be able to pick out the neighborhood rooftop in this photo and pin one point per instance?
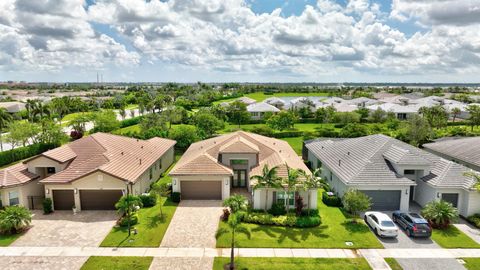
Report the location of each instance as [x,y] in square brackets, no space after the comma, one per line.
[122,157]
[368,161]
[464,149]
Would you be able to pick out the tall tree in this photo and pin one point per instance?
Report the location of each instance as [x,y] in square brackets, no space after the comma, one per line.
[313,181]
[207,124]
[455,113]
[237,113]
[282,120]
[291,183]
[21,132]
[474,118]
[235,226]
[5,119]
[267,180]
[418,130]
[105,121]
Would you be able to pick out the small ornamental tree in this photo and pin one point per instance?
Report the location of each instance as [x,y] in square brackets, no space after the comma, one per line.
[236,203]
[160,190]
[13,219]
[234,226]
[355,201]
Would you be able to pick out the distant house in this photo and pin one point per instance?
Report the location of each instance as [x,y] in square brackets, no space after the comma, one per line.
[362,102]
[91,173]
[215,168]
[246,100]
[276,102]
[401,112]
[258,110]
[13,106]
[392,173]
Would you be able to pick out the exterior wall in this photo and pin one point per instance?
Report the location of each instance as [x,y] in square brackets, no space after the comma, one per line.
[32,188]
[43,162]
[225,179]
[259,198]
[472,199]
[425,193]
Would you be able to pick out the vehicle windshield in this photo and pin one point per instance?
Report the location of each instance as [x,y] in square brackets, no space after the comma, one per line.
[387,223]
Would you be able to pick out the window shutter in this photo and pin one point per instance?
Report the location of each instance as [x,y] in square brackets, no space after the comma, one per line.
[274,197]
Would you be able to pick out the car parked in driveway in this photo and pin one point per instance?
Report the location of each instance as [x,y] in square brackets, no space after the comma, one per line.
[413,224]
[381,224]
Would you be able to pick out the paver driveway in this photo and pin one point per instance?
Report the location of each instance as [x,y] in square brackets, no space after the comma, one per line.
[194,224]
[62,228]
[42,263]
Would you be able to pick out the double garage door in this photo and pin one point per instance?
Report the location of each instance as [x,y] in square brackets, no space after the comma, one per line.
[384,200]
[201,190]
[89,199]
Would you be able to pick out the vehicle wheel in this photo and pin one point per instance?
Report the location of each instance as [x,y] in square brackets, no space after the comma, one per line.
[408,233]
[394,219]
[376,232]
[365,219]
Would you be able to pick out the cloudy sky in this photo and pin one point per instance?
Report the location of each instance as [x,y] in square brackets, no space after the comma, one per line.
[241,40]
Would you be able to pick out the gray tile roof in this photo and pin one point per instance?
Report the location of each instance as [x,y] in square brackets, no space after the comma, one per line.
[404,156]
[361,161]
[464,149]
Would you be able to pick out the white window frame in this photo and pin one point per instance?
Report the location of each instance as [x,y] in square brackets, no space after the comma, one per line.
[10,198]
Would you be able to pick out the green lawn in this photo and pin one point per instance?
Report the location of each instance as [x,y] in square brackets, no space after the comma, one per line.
[129,129]
[151,228]
[6,240]
[335,230]
[117,263]
[472,263]
[165,179]
[293,263]
[393,264]
[296,143]
[260,96]
[453,238]
[71,116]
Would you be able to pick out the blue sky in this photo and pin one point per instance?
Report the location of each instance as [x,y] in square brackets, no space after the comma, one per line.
[240,40]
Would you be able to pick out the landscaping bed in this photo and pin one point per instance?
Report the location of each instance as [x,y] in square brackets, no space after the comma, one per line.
[150,228]
[474,220]
[451,237]
[335,230]
[290,220]
[293,263]
[117,263]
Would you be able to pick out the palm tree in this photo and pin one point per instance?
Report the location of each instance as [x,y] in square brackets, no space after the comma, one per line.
[234,226]
[267,180]
[132,113]
[313,181]
[236,203]
[476,176]
[123,112]
[440,213]
[290,183]
[5,119]
[30,106]
[141,108]
[456,112]
[14,218]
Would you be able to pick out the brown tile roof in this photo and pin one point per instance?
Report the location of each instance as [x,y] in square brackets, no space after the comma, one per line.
[16,175]
[239,145]
[122,157]
[204,155]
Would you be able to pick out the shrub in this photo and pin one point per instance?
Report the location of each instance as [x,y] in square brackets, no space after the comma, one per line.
[148,200]
[332,200]
[124,220]
[176,197]
[277,209]
[475,220]
[47,206]
[13,219]
[225,215]
[439,213]
[130,122]
[308,221]
[288,134]
[289,220]
[10,156]
[299,205]
[355,201]
[263,130]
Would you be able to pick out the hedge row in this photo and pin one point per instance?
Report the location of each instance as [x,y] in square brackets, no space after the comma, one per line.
[331,200]
[131,121]
[11,156]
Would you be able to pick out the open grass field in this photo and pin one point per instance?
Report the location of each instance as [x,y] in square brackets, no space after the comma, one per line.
[260,96]
[246,263]
[335,230]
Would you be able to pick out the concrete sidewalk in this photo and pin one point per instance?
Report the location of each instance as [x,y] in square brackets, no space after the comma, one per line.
[242,252]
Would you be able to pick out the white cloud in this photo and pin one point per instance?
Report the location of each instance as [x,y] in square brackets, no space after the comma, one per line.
[226,36]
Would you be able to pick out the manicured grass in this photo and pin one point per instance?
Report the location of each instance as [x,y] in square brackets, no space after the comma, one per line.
[296,143]
[393,264]
[71,116]
[129,129]
[151,228]
[165,179]
[6,240]
[472,263]
[117,263]
[293,263]
[453,238]
[310,127]
[260,96]
[335,230]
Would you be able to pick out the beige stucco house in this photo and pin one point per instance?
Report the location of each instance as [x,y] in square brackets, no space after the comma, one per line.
[214,168]
[91,173]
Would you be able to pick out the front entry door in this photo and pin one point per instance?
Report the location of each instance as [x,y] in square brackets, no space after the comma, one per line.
[239,178]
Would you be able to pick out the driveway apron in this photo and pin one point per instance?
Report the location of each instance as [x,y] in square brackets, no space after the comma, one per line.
[194,224]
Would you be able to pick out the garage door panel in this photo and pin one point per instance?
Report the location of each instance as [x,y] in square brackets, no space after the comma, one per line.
[99,199]
[201,190]
[384,200]
[63,199]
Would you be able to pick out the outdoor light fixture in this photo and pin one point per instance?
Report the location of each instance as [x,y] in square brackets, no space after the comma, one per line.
[75,190]
[406,191]
[47,191]
[226,183]
[174,181]
[438,194]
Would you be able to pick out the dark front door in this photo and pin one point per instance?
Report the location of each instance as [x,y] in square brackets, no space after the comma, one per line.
[451,198]
[239,178]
